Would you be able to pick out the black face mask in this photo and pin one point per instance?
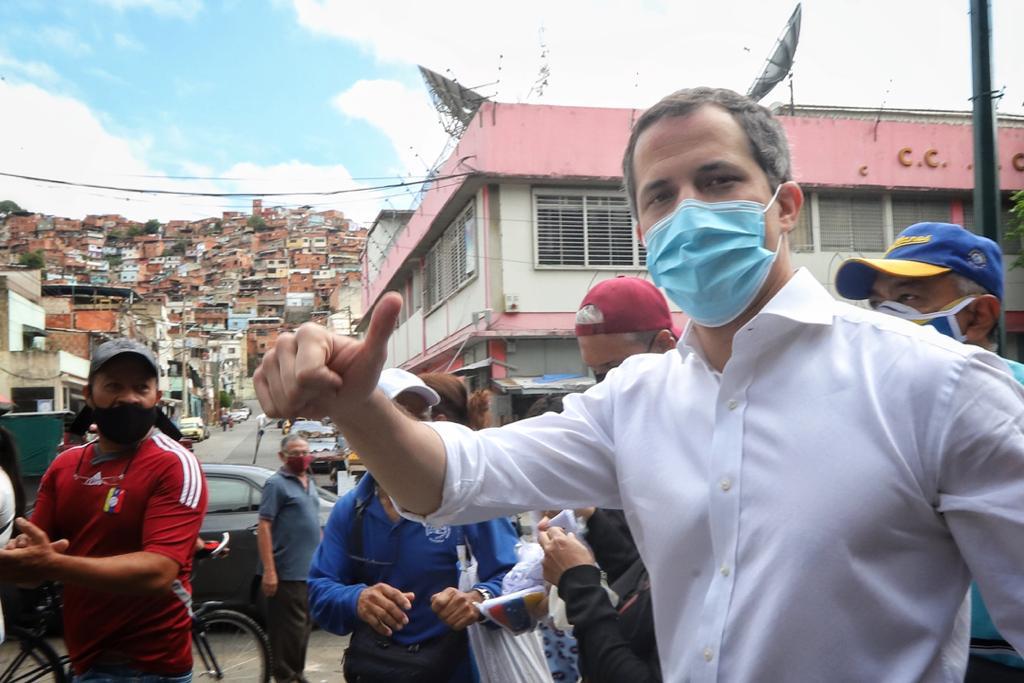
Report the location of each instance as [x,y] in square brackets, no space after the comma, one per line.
[125,424]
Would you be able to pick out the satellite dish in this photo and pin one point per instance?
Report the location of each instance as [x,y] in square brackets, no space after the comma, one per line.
[455,104]
[781,60]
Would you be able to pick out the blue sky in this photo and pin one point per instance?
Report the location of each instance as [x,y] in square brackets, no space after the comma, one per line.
[292,95]
[237,80]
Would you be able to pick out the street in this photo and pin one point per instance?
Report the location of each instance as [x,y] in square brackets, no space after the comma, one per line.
[238,446]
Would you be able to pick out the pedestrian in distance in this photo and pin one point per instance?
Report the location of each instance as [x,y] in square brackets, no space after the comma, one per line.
[943,276]
[116,522]
[288,534]
[801,476]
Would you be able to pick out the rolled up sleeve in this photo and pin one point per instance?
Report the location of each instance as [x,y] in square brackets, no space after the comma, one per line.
[556,460]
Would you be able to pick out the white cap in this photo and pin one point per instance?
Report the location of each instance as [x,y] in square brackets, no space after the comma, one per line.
[395,381]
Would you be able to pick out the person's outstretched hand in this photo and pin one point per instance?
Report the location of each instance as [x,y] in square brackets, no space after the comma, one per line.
[316,372]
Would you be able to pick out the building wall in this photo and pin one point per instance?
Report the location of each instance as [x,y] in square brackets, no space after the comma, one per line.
[541,290]
[21,312]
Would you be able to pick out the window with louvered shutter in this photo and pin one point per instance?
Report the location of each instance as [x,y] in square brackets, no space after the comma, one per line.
[451,262]
[852,222]
[909,210]
[586,229]
[560,230]
[801,238]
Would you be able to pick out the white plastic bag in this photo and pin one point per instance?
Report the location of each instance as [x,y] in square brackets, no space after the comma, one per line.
[500,656]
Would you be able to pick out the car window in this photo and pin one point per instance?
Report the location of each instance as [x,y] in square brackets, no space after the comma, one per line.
[326,495]
[227,494]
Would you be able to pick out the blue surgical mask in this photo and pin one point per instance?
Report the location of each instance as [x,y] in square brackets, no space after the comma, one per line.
[710,258]
[944,321]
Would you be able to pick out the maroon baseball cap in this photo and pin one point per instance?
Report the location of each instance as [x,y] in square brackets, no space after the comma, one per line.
[623,304]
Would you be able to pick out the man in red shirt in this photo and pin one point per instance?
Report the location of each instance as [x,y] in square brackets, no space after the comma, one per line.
[126,510]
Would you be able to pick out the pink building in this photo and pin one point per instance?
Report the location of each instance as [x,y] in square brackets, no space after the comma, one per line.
[493,264]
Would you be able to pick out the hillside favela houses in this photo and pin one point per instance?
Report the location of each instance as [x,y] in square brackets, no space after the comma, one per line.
[493,264]
[208,296]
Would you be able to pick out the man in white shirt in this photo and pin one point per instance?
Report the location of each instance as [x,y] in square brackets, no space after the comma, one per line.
[807,482]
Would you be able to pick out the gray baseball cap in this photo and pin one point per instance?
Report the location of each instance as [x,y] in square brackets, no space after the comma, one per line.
[107,351]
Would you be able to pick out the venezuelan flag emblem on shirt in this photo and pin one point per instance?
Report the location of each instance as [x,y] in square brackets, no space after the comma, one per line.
[114,500]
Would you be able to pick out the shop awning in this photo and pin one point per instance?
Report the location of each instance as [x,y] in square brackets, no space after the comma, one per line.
[481,364]
[544,384]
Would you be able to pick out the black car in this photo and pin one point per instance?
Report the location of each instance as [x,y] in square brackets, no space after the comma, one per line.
[234,493]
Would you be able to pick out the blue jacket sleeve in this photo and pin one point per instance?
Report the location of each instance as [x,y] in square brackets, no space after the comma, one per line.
[333,591]
[493,544]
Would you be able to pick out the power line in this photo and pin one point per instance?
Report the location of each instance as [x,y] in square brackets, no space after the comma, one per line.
[182,193]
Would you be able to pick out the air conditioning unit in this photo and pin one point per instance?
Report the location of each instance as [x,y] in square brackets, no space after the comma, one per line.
[512,303]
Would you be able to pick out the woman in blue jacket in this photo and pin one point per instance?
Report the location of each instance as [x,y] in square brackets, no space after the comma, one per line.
[393,583]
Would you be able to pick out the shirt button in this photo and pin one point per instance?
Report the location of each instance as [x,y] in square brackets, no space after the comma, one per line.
[708,654]
[732,404]
[724,570]
[726,484]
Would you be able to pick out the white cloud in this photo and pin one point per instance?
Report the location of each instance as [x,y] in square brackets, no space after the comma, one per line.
[33,71]
[182,9]
[54,136]
[125,42]
[403,114]
[629,54]
[624,53]
[63,39]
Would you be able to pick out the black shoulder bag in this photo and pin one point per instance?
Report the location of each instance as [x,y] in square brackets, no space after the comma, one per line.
[373,658]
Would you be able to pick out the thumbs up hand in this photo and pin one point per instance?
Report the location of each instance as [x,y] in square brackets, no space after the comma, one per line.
[314,372]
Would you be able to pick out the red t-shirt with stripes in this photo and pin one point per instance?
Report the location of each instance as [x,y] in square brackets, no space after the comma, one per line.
[157,506]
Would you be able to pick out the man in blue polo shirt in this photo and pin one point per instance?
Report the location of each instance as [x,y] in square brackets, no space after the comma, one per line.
[289,532]
[942,275]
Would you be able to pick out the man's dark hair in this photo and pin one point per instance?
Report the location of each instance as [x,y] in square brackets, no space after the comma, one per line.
[767,139]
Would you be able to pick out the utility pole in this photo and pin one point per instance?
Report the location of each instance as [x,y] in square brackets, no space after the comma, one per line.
[986,170]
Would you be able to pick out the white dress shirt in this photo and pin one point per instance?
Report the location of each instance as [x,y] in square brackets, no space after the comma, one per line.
[812,513]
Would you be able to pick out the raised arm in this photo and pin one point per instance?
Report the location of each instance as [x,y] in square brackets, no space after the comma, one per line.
[316,372]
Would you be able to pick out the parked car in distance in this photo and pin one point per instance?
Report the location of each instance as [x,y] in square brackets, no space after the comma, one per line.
[327,449]
[239,415]
[193,428]
[233,494]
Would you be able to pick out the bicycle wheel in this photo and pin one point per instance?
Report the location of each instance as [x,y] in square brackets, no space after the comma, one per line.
[229,646]
[25,658]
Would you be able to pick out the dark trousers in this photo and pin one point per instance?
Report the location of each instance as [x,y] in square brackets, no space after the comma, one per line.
[981,670]
[288,628]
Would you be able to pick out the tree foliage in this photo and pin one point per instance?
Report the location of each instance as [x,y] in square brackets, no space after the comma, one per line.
[1015,229]
[177,249]
[257,223]
[152,227]
[226,399]
[33,259]
[8,206]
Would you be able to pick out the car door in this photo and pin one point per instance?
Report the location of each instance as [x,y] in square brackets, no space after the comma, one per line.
[233,507]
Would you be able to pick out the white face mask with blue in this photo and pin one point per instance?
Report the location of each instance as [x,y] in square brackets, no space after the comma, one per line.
[710,257]
[944,321]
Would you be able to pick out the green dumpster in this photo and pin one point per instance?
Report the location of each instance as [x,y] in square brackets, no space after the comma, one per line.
[37,436]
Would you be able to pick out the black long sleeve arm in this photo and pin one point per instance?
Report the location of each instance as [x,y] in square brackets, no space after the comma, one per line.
[606,654]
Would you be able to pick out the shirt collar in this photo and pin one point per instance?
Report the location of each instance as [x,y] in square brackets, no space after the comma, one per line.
[802,300]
